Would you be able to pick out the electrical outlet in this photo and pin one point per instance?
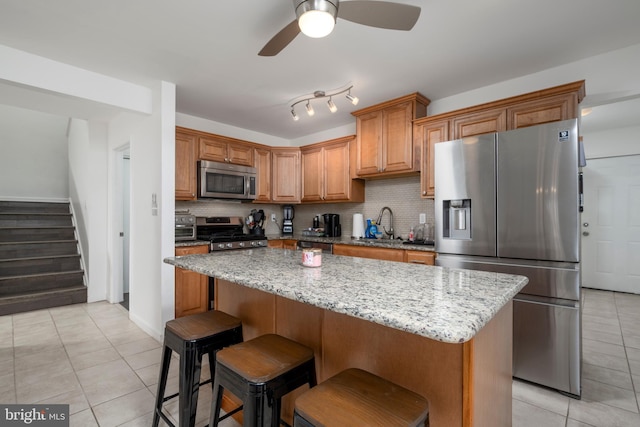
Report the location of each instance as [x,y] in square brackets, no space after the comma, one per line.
[273,217]
[423,218]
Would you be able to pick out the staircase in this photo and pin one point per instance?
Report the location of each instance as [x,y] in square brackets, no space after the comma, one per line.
[39,260]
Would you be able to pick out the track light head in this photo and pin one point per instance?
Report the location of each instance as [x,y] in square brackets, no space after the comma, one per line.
[353,99]
[310,110]
[294,115]
[332,106]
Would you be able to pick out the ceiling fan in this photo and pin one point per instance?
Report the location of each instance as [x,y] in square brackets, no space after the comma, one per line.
[316,18]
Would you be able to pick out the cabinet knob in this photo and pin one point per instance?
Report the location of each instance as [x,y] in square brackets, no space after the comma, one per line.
[424,193]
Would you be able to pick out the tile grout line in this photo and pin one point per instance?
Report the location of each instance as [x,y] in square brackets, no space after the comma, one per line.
[633,385]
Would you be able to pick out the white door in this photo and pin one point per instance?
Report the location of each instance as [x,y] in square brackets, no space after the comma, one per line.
[611,224]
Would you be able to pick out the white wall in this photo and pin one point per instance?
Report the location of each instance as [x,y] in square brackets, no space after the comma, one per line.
[612,143]
[88,194]
[151,141]
[34,155]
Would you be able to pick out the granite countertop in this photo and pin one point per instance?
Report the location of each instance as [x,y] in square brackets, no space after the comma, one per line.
[345,240]
[187,243]
[443,304]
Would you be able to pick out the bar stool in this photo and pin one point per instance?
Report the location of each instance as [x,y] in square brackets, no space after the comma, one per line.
[357,398]
[259,372]
[192,337]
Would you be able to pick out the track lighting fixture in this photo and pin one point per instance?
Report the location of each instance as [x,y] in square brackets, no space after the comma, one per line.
[320,94]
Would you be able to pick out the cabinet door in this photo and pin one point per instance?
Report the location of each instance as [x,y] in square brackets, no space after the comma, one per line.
[551,109]
[263,167]
[191,288]
[429,134]
[240,154]
[337,179]
[185,166]
[397,138]
[312,174]
[369,143]
[420,257]
[212,149]
[286,175]
[489,121]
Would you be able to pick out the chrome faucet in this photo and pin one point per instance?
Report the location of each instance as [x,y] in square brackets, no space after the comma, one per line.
[388,232]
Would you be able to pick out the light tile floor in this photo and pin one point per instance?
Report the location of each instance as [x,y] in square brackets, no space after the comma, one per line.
[100,363]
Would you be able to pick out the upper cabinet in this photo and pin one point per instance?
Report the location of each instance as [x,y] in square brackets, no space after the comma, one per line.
[223,149]
[285,174]
[384,137]
[186,164]
[327,172]
[544,106]
[263,167]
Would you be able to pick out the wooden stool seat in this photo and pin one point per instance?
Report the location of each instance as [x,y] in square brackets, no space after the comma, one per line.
[259,372]
[192,337]
[357,398]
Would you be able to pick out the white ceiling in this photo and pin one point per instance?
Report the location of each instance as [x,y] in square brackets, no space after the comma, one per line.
[208,48]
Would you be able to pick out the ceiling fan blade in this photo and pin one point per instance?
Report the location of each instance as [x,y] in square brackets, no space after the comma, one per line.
[380,14]
[281,40]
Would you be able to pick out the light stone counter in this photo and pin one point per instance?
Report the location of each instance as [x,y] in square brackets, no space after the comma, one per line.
[442,304]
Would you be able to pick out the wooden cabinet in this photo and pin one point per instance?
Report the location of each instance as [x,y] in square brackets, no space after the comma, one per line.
[218,148]
[186,166]
[384,137]
[263,168]
[548,105]
[285,173]
[191,288]
[283,244]
[426,136]
[326,172]
[477,123]
[386,254]
[420,257]
[545,110]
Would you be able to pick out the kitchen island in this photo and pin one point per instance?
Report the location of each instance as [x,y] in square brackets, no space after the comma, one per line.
[445,334]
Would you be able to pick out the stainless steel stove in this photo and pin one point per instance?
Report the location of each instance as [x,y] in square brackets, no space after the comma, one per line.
[227,233]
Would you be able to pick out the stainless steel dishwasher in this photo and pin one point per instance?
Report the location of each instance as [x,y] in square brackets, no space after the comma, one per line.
[326,247]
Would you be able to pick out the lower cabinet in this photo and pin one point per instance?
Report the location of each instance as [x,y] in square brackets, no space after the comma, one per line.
[420,257]
[386,254]
[283,243]
[192,289]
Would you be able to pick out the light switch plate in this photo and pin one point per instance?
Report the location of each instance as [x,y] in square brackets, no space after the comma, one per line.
[423,218]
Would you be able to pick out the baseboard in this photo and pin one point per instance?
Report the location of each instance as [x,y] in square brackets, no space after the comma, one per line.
[158,336]
[33,199]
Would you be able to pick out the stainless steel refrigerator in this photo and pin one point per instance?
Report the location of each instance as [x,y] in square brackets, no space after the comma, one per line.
[510,202]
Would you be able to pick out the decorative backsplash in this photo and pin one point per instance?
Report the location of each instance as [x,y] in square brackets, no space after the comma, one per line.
[402,195]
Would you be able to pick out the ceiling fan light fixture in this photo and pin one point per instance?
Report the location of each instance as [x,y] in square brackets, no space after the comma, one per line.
[316,18]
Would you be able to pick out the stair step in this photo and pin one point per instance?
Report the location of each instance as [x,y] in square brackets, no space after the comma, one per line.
[31,234]
[35,283]
[51,207]
[12,250]
[41,300]
[39,265]
[31,219]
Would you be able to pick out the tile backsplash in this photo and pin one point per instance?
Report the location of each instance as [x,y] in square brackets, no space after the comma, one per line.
[402,195]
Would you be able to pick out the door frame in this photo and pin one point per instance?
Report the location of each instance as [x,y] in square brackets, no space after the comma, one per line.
[115,292]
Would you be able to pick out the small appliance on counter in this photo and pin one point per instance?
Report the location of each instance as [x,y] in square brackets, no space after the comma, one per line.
[255,222]
[332,226]
[287,222]
[185,226]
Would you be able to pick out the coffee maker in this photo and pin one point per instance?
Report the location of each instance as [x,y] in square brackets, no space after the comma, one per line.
[332,227]
[287,221]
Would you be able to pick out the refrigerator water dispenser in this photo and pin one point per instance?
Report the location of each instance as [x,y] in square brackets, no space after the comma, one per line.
[457,219]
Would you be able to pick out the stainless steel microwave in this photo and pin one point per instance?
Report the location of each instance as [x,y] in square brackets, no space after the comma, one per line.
[225,181]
